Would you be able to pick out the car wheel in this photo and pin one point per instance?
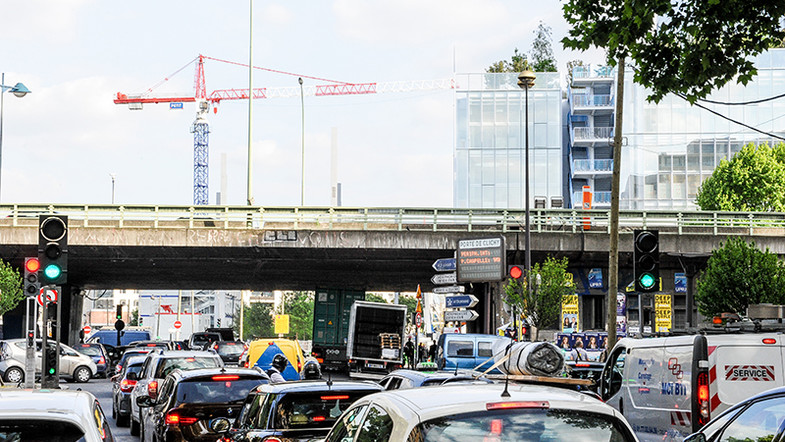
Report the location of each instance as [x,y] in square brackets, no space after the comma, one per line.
[14,375]
[122,421]
[134,428]
[82,374]
[114,410]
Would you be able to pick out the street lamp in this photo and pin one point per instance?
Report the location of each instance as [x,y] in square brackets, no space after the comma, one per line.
[302,153]
[525,81]
[18,90]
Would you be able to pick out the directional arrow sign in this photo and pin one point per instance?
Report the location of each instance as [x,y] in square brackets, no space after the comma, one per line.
[460,315]
[449,289]
[466,301]
[444,265]
[444,278]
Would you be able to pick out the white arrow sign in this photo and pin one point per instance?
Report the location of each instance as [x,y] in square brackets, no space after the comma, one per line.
[460,315]
[444,278]
[449,289]
[461,301]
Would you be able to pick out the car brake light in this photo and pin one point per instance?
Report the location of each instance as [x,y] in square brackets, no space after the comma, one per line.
[271,343]
[335,398]
[151,345]
[127,385]
[190,359]
[320,360]
[245,364]
[152,389]
[215,346]
[271,439]
[703,398]
[102,360]
[318,418]
[174,419]
[769,341]
[226,377]
[582,364]
[519,404]
[299,365]
[496,427]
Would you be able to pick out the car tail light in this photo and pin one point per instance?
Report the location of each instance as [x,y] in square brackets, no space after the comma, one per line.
[190,359]
[299,365]
[582,364]
[173,418]
[318,418]
[245,364]
[127,385]
[769,341]
[102,360]
[215,346]
[151,345]
[703,398]
[517,404]
[320,360]
[225,377]
[335,397]
[152,389]
[271,439]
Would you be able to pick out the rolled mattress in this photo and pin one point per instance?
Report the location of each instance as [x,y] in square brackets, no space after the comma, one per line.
[529,358]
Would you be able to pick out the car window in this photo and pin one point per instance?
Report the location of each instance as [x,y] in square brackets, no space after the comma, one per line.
[89,350]
[757,422]
[613,373]
[167,365]
[230,349]
[377,426]
[461,349]
[165,390]
[347,426]
[484,349]
[406,383]
[313,409]
[41,429]
[716,424]
[394,384]
[211,391]
[384,382]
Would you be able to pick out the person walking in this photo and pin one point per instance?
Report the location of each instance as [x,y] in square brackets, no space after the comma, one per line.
[578,353]
[408,352]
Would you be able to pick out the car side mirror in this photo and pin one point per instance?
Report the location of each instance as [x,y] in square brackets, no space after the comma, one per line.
[697,437]
[132,376]
[145,401]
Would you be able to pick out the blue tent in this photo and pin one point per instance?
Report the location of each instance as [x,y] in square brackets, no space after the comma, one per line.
[265,361]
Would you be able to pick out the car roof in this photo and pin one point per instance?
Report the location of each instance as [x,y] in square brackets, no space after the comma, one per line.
[415,374]
[72,405]
[317,385]
[201,372]
[133,360]
[163,354]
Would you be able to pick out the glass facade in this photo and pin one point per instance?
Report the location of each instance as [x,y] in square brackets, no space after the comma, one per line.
[489,163]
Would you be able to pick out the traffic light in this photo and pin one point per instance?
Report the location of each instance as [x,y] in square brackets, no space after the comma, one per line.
[53,249]
[218,322]
[515,271]
[119,312]
[31,284]
[646,260]
[50,361]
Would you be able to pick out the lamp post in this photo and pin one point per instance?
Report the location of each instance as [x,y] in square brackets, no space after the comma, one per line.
[18,90]
[525,81]
[112,176]
[302,152]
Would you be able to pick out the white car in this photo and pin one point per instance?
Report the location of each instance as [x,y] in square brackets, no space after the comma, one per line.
[481,412]
[28,415]
[73,365]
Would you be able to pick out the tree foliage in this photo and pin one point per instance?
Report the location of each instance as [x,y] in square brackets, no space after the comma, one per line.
[542,50]
[299,307]
[752,181]
[552,282]
[411,306]
[373,297]
[517,63]
[739,274]
[10,287]
[690,47]
[257,321]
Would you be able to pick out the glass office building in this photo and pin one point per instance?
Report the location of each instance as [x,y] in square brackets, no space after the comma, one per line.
[489,142]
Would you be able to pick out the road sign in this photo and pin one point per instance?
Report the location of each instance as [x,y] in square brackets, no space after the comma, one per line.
[461,301]
[449,289]
[481,260]
[444,278]
[177,324]
[460,315]
[51,295]
[87,329]
[444,265]
[418,319]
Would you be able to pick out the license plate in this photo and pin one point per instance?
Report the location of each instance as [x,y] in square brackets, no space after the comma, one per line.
[372,365]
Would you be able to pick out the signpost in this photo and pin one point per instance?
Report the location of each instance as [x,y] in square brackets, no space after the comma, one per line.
[177,324]
[47,293]
[461,301]
[444,278]
[460,315]
[444,265]
[449,289]
[87,329]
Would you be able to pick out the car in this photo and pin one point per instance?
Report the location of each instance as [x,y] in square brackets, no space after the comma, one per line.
[122,385]
[100,357]
[757,418]
[197,341]
[166,345]
[467,351]
[39,415]
[129,353]
[585,370]
[73,365]
[229,351]
[404,378]
[196,405]
[488,412]
[261,352]
[296,411]
[156,367]
[109,336]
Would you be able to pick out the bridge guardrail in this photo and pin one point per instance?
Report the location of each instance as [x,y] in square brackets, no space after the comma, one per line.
[394,218]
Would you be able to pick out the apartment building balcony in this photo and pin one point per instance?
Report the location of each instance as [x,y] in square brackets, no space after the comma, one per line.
[591,135]
[586,167]
[588,76]
[591,104]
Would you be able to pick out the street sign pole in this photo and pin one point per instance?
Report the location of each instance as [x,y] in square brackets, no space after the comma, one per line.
[30,319]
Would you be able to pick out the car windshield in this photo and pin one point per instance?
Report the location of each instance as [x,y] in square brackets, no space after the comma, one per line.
[230,349]
[167,365]
[135,368]
[211,391]
[315,409]
[40,430]
[89,350]
[533,424]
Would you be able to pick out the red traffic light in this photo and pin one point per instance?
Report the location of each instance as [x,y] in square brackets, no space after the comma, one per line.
[515,272]
[32,265]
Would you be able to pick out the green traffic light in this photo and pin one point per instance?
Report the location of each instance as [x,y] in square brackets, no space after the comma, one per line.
[646,281]
[51,370]
[52,271]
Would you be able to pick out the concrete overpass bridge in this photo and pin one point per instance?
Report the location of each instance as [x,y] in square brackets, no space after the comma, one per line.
[301,248]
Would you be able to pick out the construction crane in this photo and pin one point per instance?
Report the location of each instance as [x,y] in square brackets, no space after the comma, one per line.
[201,128]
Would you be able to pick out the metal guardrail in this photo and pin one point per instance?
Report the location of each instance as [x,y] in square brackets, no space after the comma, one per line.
[393,219]
[584,165]
[583,100]
[592,133]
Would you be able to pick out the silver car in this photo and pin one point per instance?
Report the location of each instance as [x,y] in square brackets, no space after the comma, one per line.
[73,365]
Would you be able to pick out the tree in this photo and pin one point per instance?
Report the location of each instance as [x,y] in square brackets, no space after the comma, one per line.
[134,320]
[542,50]
[411,306]
[373,297]
[10,287]
[257,321]
[739,274]
[543,306]
[299,307]
[752,181]
[572,64]
[517,63]
[690,47]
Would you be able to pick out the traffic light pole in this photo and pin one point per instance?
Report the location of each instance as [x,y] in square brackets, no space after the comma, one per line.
[50,357]
[31,314]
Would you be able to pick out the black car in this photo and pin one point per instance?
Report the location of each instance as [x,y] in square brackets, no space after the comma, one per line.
[402,379]
[198,341]
[758,418]
[197,405]
[122,385]
[128,353]
[296,411]
[229,351]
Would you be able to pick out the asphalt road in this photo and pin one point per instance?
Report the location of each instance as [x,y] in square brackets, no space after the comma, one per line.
[102,390]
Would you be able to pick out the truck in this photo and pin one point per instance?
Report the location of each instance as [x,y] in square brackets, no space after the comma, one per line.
[332,308]
[376,337]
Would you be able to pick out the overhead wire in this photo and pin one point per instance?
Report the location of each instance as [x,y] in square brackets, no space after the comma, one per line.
[683,97]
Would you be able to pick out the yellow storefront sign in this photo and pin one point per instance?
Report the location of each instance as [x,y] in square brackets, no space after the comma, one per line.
[662,312]
[281,324]
[569,313]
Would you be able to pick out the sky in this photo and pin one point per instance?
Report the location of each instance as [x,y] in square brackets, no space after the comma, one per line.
[65,141]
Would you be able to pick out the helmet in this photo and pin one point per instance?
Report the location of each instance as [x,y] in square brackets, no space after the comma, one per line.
[311,370]
[279,362]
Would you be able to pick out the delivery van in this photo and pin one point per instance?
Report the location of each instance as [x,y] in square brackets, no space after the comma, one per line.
[670,387]
[467,351]
[261,353]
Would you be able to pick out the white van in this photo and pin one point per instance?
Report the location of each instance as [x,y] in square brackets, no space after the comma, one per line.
[668,388]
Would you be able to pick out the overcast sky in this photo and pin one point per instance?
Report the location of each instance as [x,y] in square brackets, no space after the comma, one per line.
[62,142]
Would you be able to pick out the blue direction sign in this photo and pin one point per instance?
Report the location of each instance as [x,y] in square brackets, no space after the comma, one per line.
[444,265]
[461,301]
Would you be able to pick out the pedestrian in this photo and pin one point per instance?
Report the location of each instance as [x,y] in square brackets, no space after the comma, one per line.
[422,353]
[432,351]
[408,352]
[578,353]
[276,370]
